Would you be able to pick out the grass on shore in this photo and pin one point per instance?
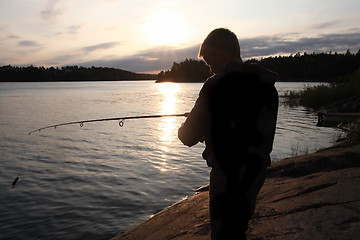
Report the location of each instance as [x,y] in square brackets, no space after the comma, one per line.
[344,90]
[353,135]
[324,95]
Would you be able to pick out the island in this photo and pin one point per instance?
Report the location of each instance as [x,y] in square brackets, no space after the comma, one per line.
[189,70]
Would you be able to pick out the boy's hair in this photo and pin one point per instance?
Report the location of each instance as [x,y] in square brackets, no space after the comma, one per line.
[223,40]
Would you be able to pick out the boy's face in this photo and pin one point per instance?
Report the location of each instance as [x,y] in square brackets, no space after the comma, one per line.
[216,61]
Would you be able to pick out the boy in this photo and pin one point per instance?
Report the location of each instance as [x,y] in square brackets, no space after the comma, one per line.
[235,114]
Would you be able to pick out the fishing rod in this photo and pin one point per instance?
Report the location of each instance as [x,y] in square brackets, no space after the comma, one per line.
[120,119]
[121,124]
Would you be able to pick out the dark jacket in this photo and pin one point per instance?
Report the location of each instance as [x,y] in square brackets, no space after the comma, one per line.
[235,114]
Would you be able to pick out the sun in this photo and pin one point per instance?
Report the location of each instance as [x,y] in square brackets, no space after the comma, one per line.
[166,28]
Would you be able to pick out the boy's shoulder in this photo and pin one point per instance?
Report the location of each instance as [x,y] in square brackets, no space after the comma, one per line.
[210,83]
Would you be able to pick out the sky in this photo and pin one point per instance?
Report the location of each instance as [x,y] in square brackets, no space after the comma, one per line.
[149,35]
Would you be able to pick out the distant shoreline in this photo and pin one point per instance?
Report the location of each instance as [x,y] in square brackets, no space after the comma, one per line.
[157,81]
[10,73]
[281,80]
[160,81]
[121,80]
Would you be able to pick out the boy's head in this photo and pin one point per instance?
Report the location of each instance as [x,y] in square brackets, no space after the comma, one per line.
[221,45]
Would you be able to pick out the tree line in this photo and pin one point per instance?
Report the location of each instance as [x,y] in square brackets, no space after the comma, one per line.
[189,70]
[10,73]
[299,67]
[322,67]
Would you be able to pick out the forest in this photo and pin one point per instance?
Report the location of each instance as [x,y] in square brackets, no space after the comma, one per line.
[319,67]
[189,70]
[10,73]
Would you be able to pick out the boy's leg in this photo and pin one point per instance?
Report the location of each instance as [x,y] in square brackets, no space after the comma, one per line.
[230,211]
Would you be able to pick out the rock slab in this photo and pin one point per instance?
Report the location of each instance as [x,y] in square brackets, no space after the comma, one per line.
[315,196]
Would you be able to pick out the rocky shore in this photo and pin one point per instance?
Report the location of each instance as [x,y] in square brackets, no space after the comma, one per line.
[315,196]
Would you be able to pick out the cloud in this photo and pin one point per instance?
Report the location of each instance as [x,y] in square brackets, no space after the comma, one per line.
[101,46]
[51,11]
[161,58]
[354,30]
[151,58]
[4,27]
[13,36]
[59,60]
[280,44]
[73,57]
[323,25]
[156,59]
[74,29]
[27,43]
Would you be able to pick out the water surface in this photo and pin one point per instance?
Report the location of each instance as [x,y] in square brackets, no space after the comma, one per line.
[98,180]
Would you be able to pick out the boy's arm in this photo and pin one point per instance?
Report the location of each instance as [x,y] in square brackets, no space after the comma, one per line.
[195,127]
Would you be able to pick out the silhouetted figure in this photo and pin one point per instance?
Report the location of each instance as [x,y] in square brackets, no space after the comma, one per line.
[235,114]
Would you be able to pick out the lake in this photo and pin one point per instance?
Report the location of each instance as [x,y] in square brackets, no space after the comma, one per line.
[95,181]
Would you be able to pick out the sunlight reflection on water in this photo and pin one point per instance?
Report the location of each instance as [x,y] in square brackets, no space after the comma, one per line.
[168,126]
[168,105]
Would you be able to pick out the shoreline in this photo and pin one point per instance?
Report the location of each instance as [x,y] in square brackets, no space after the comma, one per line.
[313,195]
